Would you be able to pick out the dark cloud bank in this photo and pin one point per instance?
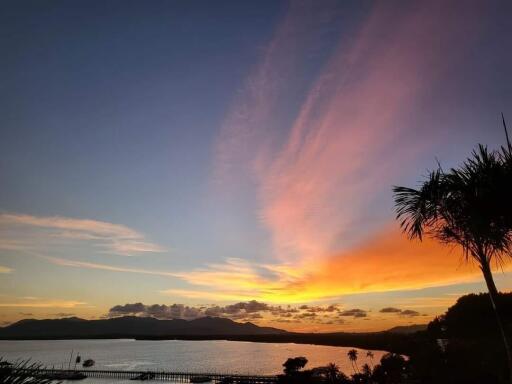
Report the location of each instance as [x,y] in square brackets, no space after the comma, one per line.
[253,310]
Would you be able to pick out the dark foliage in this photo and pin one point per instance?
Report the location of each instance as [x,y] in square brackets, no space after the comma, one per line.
[463,345]
[391,370]
[22,372]
[470,207]
[294,365]
[472,317]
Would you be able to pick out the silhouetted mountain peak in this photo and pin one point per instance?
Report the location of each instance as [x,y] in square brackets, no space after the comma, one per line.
[129,326]
[404,329]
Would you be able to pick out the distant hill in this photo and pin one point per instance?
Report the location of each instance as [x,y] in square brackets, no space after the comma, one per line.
[130,326]
[406,329]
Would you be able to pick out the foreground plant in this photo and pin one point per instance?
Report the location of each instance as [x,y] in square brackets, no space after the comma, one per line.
[22,372]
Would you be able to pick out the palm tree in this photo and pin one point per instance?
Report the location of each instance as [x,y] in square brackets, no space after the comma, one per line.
[352,355]
[467,206]
[332,373]
[369,354]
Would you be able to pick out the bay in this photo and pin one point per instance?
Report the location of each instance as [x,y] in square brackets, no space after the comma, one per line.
[211,356]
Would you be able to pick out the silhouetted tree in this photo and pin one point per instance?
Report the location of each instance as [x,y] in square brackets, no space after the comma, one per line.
[472,316]
[359,378]
[352,355]
[369,354]
[468,206]
[366,370]
[390,370]
[294,364]
[331,374]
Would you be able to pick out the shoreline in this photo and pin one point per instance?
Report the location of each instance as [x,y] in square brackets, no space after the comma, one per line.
[383,341]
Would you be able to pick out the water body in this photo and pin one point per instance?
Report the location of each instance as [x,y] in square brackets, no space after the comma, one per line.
[183,356]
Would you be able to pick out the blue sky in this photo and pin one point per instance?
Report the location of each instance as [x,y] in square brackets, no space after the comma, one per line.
[208,153]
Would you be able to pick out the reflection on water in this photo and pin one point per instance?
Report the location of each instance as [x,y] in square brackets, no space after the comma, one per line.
[178,355]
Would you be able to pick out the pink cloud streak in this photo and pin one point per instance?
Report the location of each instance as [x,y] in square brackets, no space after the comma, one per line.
[349,140]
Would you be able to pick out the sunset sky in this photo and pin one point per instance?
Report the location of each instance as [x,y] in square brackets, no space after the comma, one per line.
[236,158]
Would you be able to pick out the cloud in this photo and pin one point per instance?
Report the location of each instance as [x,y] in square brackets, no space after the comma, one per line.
[405,312]
[237,279]
[249,307]
[18,232]
[128,309]
[246,309]
[305,315]
[385,262]
[409,312]
[5,269]
[406,265]
[105,267]
[43,304]
[251,310]
[356,312]
[388,261]
[319,175]
[159,311]
[253,119]
[321,309]
[318,183]
[390,310]
[241,310]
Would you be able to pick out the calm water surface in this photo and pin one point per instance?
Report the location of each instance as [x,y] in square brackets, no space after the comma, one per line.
[178,355]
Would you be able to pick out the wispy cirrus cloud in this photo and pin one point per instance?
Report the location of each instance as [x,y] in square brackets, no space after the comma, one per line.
[105,267]
[42,304]
[389,262]
[239,276]
[351,135]
[235,279]
[20,232]
[252,122]
[320,175]
[5,269]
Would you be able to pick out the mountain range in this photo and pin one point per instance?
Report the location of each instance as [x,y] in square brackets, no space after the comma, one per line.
[130,327]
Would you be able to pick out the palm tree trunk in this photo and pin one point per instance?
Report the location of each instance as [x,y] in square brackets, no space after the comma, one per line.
[493,294]
[354,366]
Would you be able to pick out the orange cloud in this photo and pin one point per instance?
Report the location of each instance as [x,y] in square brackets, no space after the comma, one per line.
[388,261]
[385,262]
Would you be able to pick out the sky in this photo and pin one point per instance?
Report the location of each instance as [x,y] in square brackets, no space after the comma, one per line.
[180,159]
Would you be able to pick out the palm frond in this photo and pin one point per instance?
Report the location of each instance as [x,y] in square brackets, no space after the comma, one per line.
[468,205]
[23,372]
[418,208]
